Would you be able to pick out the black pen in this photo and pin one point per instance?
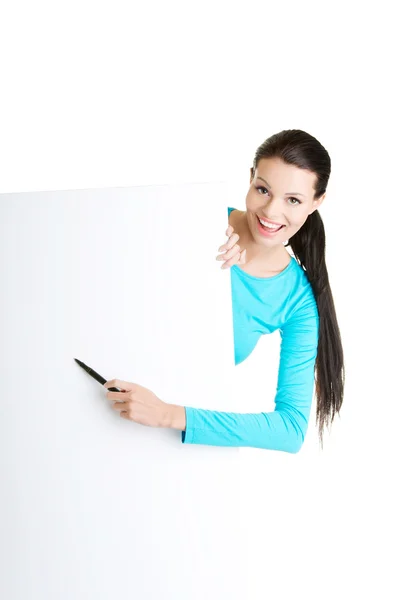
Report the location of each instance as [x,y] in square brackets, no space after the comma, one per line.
[96,376]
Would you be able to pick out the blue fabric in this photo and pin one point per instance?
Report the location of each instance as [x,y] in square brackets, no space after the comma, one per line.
[260,305]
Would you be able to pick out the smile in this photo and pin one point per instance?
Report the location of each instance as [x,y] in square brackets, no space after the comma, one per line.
[266,230]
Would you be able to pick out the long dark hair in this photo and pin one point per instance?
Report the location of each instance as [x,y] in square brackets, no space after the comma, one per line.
[296,147]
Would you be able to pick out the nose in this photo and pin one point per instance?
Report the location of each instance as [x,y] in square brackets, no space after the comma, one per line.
[272,207]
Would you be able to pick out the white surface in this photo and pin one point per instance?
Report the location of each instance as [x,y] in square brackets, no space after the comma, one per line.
[95,506]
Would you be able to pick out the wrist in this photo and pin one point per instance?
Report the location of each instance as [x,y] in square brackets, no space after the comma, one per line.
[176,417]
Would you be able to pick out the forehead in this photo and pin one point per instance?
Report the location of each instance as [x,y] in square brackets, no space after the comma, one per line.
[285,178]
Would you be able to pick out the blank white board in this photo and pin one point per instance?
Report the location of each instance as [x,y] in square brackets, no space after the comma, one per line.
[93,505]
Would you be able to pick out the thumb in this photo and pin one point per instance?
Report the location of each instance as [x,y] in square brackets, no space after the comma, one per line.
[242,260]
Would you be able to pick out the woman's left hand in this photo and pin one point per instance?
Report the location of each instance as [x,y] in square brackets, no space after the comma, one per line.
[137,403]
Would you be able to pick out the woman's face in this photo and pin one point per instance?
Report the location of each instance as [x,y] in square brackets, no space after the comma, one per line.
[287,199]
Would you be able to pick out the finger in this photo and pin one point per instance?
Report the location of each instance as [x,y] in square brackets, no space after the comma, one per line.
[231,242]
[236,259]
[242,259]
[231,253]
[116,395]
[120,406]
[126,386]
[229,231]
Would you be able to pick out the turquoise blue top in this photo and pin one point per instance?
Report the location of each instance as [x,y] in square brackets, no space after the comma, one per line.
[261,305]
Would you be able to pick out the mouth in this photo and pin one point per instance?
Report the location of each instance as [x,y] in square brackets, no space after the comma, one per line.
[268,230]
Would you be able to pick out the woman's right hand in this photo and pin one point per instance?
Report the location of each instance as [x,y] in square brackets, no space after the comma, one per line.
[231,250]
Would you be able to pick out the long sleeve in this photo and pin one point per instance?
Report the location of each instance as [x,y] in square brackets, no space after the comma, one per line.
[285,428]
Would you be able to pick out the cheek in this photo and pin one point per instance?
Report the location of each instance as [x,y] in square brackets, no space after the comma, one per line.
[297,216]
[297,221]
[296,224]
[302,218]
[248,199]
[253,201]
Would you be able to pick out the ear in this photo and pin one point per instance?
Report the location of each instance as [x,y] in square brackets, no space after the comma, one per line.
[317,203]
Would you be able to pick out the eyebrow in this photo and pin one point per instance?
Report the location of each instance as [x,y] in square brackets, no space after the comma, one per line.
[295,193]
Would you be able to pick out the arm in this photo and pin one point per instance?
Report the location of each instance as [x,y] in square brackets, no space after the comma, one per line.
[285,428]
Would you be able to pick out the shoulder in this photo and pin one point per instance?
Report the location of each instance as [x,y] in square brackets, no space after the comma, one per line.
[234,217]
[301,308]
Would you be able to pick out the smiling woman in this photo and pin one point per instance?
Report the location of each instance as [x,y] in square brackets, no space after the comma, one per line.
[272,290]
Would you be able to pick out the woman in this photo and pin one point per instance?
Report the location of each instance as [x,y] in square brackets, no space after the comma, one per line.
[271,290]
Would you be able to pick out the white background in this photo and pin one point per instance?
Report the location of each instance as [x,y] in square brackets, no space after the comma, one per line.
[117,94]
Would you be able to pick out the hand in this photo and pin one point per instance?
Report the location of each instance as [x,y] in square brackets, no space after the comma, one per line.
[232,254]
[137,403]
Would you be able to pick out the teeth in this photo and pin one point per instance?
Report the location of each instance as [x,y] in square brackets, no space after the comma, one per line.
[269,225]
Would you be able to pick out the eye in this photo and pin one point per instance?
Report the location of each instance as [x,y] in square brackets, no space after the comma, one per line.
[290,198]
[262,188]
